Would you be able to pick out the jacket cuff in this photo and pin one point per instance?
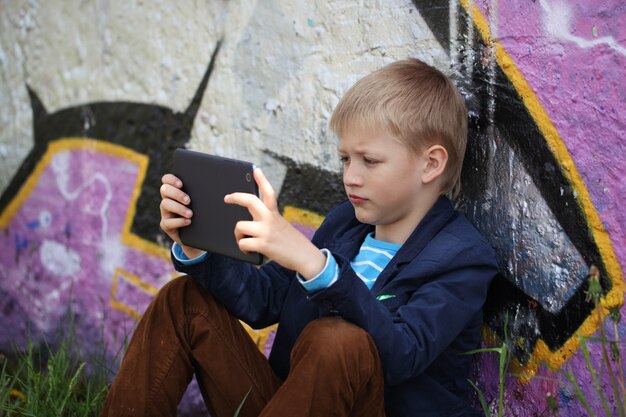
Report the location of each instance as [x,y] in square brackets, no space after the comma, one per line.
[324,279]
[179,255]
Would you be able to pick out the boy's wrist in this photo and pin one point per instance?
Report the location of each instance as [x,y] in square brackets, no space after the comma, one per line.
[313,263]
[191,252]
[325,278]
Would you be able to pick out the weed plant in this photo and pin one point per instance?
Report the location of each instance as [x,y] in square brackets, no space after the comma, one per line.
[42,381]
[504,356]
[612,364]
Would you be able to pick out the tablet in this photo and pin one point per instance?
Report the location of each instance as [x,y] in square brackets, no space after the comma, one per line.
[207,179]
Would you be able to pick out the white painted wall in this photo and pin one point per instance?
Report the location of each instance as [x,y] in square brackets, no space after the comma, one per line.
[283,66]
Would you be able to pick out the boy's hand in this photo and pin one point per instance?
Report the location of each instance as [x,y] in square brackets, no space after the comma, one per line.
[174,211]
[270,234]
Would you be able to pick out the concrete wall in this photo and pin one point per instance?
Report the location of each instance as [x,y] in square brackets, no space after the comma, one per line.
[96,95]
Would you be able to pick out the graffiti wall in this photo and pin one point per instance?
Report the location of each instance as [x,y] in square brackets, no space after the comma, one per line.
[96,96]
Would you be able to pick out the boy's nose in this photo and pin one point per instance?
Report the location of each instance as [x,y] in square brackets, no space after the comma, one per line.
[352,177]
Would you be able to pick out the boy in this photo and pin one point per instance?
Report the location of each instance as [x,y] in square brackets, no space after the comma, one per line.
[374,314]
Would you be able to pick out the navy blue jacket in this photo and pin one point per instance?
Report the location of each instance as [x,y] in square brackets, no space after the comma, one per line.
[431,314]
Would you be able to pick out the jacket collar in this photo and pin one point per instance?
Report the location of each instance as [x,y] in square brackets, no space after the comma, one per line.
[435,219]
[440,214]
[348,246]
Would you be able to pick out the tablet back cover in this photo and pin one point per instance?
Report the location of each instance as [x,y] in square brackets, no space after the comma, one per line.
[207,179]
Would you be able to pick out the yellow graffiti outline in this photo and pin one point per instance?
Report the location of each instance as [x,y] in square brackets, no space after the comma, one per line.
[128,238]
[73,143]
[135,281]
[615,297]
[259,336]
[301,216]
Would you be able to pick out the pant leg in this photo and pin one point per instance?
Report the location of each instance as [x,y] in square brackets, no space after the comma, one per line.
[184,330]
[335,371]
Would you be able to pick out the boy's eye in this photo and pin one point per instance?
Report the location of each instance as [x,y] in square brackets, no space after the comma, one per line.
[369,161]
[344,159]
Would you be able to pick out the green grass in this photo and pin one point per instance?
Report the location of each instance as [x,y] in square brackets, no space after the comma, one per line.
[43,381]
[504,355]
[612,364]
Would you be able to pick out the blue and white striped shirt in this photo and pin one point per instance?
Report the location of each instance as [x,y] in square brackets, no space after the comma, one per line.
[372,258]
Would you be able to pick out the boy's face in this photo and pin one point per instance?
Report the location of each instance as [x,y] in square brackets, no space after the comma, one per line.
[383,180]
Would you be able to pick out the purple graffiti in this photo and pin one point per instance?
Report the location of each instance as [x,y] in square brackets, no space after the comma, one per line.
[572,55]
[68,243]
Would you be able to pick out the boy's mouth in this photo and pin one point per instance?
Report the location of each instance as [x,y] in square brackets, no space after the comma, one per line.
[356,199]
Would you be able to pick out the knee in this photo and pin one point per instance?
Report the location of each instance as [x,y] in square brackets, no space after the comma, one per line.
[334,330]
[335,337]
[183,292]
[184,295]
[175,288]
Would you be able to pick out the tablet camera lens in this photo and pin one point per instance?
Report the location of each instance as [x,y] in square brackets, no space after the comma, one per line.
[248,177]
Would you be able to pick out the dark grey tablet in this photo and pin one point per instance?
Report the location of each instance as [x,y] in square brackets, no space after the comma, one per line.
[207,179]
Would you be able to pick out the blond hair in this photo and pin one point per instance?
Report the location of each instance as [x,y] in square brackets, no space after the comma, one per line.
[414,102]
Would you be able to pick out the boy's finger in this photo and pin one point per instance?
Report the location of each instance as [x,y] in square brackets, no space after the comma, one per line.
[170,208]
[172,180]
[247,244]
[247,200]
[174,223]
[246,233]
[246,228]
[173,193]
[266,189]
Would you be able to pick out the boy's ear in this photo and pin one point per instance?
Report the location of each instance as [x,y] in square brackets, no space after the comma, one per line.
[436,159]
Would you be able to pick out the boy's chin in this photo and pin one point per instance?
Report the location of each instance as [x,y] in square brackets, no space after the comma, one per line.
[363,217]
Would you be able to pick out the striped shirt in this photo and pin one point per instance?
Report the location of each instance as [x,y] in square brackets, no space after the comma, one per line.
[373,257]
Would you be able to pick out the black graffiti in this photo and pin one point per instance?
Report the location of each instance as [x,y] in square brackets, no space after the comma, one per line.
[149,129]
[309,187]
[497,112]
[436,13]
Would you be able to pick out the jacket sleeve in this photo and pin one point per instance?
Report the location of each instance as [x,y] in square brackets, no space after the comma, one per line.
[253,294]
[411,331]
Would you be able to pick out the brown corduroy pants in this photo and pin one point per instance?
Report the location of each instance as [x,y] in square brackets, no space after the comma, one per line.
[335,368]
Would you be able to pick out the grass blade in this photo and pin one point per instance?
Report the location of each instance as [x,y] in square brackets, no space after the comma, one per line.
[238,410]
[481,398]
